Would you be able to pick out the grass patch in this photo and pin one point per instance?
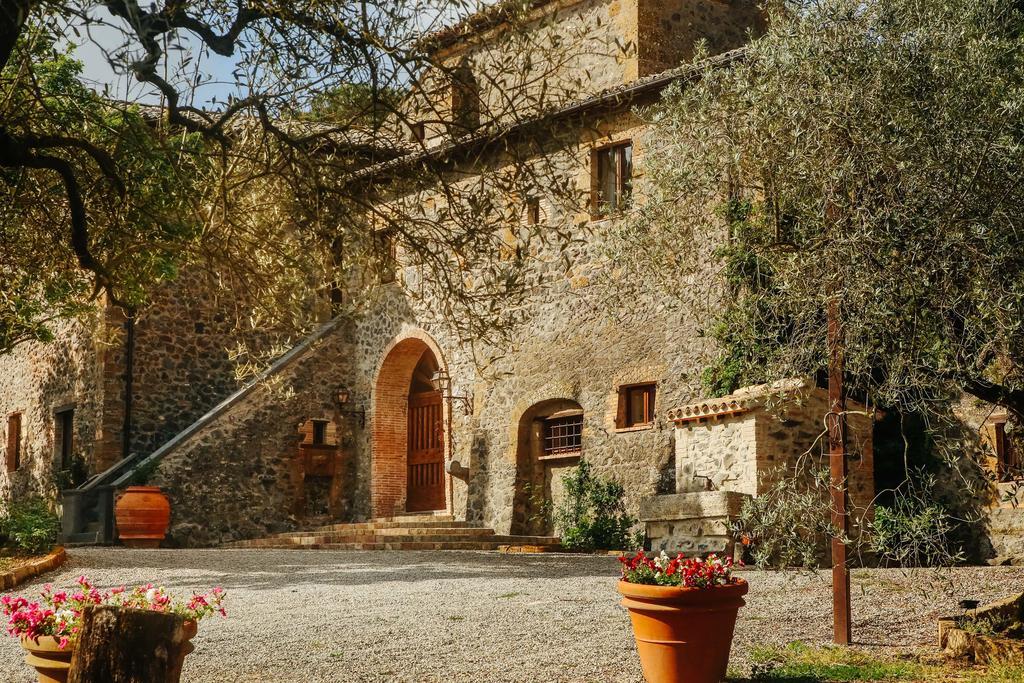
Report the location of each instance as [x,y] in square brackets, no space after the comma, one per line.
[799,663]
[456,617]
[506,596]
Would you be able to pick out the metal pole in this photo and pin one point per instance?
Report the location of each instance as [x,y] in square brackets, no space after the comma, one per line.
[838,476]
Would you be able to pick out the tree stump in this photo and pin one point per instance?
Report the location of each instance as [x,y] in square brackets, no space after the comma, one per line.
[119,645]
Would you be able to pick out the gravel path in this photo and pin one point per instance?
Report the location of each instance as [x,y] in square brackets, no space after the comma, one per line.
[482,617]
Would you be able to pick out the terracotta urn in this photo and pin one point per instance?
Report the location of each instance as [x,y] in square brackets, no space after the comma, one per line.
[143,514]
[683,635]
[50,662]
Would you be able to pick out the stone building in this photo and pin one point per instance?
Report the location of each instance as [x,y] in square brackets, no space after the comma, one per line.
[389,412]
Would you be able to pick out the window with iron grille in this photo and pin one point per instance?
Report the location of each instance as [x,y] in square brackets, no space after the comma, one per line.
[563,433]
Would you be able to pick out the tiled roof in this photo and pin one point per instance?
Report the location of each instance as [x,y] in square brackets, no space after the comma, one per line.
[742,401]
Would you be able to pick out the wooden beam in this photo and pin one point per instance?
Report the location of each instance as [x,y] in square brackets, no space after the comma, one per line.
[838,472]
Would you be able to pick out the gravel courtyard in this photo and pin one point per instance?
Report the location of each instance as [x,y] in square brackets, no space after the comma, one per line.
[482,617]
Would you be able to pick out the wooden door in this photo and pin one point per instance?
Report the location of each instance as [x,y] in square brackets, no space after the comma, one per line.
[425,477]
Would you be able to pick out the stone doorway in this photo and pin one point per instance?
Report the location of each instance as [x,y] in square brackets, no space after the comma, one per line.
[408,433]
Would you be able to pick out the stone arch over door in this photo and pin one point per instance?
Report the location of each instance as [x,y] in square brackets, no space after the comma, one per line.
[397,380]
[539,472]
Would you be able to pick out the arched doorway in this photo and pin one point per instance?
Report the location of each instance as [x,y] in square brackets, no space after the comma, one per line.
[408,433]
[549,442]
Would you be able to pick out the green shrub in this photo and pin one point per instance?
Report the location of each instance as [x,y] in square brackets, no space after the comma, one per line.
[915,531]
[30,525]
[592,516]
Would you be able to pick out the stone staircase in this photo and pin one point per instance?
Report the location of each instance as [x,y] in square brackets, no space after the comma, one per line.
[403,532]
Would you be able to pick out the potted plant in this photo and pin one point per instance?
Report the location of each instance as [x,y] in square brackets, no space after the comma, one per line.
[47,627]
[142,512]
[683,613]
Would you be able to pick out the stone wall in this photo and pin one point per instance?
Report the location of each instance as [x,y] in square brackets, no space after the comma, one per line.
[745,441]
[696,523]
[572,49]
[672,28]
[572,348]
[236,478]
[39,379]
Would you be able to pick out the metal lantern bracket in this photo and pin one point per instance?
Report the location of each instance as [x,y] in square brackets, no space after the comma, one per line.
[342,396]
[441,381]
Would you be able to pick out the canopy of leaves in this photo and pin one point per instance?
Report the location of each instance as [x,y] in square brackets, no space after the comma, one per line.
[137,226]
[868,153]
[275,189]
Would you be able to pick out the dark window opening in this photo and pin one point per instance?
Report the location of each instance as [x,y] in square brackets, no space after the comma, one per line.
[465,101]
[612,178]
[319,432]
[417,132]
[387,255]
[636,405]
[65,420]
[563,433]
[13,442]
[532,210]
[1007,467]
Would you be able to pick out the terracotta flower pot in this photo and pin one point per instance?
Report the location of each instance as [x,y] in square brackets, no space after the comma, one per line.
[683,635]
[142,514]
[52,663]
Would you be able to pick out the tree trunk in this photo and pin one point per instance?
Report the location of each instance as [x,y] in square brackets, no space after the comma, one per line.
[120,645]
[13,14]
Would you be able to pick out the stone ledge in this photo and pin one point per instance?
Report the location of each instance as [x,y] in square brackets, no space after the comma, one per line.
[700,504]
[957,643]
[20,575]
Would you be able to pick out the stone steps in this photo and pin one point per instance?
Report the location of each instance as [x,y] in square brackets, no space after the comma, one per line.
[410,533]
[361,535]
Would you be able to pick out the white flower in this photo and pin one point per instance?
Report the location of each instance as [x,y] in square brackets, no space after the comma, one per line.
[150,595]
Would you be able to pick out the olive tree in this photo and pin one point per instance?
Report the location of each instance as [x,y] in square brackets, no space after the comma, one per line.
[863,154]
[299,181]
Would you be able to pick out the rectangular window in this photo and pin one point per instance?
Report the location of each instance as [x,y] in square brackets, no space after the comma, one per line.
[563,433]
[636,405]
[612,179]
[13,442]
[65,437]
[319,432]
[532,210]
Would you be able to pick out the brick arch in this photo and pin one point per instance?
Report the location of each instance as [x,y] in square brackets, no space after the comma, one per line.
[389,421]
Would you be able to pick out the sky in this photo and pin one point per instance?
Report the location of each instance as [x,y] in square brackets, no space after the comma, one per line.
[97,40]
[215,72]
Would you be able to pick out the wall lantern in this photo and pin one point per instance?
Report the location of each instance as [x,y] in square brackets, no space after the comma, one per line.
[441,381]
[342,395]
